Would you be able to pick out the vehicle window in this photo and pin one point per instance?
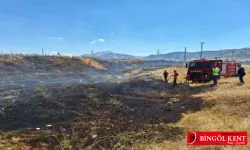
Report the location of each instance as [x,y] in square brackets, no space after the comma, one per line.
[200,65]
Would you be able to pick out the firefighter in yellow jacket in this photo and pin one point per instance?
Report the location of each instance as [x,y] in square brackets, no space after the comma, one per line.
[216,73]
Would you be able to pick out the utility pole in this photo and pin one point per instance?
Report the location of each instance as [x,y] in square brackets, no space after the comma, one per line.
[232,55]
[42,51]
[185,55]
[158,52]
[202,47]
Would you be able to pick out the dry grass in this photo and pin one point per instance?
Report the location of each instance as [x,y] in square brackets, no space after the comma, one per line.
[226,108]
[158,74]
[16,62]
[93,63]
[134,62]
[14,58]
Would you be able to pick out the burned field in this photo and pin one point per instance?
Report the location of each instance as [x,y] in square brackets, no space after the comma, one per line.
[80,111]
[104,115]
[101,110]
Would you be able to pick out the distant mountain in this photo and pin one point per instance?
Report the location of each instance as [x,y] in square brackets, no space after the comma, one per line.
[110,55]
[239,54]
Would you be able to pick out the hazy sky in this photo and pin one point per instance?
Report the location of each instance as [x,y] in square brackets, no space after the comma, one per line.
[136,27]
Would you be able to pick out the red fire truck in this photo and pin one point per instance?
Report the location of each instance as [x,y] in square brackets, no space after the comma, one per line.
[202,70]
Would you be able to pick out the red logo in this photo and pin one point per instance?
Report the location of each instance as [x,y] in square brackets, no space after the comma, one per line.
[217,138]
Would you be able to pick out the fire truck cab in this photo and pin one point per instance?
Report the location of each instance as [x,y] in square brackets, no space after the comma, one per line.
[202,70]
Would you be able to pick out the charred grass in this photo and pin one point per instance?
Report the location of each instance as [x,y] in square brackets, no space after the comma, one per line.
[139,114]
[101,116]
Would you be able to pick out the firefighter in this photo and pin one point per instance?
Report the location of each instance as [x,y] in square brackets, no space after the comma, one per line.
[241,74]
[175,75]
[165,74]
[216,73]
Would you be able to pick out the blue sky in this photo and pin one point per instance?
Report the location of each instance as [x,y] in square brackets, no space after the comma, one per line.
[137,27]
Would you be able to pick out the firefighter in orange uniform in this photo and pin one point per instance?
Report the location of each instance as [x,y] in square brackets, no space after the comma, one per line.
[175,75]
